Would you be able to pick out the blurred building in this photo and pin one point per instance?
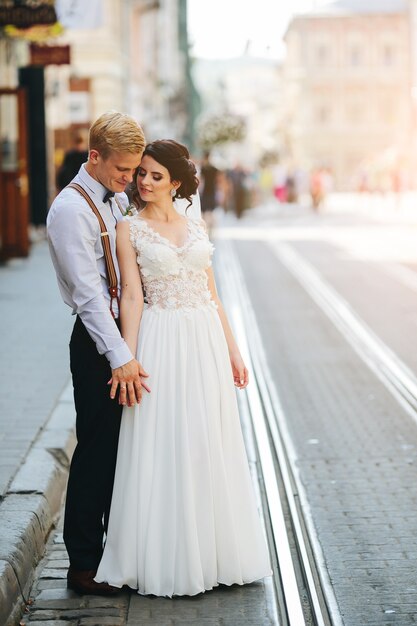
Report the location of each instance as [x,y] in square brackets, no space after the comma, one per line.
[160,91]
[23,180]
[347,89]
[133,58]
[249,87]
[72,60]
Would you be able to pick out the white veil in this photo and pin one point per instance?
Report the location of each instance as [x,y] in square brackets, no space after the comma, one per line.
[194,210]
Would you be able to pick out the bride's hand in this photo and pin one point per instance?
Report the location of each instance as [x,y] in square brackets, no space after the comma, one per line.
[240,373]
[143,375]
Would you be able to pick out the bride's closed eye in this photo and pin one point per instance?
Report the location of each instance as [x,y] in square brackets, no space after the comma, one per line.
[142,173]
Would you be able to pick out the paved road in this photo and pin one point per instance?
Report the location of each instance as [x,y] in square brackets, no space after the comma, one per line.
[355,444]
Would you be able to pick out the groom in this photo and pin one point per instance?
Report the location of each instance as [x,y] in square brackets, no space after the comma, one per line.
[97,350]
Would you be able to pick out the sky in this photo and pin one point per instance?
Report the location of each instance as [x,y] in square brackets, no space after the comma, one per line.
[222,28]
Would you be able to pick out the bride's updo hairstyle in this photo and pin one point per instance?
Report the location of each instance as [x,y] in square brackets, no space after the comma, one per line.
[176,158]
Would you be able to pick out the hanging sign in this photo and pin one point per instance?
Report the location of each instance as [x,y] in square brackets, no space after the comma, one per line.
[24,16]
[49,55]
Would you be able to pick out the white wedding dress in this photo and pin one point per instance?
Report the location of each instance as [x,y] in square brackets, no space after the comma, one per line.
[183,516]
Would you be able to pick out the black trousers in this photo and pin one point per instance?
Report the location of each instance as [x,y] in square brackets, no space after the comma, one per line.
[91,476]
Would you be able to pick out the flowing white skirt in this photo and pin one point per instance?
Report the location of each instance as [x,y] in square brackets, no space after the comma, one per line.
[183,516]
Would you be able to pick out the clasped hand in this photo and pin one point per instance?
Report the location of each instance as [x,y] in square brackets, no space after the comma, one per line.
[129,378]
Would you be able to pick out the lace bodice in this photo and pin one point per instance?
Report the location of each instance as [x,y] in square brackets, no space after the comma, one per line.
[173,277]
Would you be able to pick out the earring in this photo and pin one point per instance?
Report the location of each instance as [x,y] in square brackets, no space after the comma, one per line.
[173,192]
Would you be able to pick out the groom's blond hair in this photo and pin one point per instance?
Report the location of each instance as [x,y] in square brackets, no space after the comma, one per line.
[116,132]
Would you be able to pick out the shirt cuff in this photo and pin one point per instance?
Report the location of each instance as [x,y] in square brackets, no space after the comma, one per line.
[119,356]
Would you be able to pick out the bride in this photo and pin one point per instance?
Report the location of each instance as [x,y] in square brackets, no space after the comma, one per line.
[183,516]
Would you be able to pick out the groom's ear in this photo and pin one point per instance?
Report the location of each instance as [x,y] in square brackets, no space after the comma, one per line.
[93,156]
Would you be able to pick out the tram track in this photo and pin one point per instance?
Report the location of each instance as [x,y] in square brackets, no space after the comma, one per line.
[307,574]
[385,364]
[304,593]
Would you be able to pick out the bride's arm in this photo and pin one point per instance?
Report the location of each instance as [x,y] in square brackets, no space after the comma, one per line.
[240,373]
[131,300]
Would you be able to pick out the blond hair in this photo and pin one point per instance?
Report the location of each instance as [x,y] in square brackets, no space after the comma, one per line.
[116,132]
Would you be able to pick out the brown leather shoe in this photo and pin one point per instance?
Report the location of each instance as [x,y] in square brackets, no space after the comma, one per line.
[82,581]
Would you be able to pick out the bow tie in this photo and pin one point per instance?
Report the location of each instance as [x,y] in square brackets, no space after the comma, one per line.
[108,195]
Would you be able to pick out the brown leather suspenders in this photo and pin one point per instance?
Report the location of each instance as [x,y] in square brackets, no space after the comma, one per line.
[105,240]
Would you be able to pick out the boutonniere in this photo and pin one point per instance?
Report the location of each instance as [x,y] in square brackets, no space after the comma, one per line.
[131,211]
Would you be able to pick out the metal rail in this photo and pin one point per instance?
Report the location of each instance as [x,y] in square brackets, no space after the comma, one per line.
[276,457]
[390,369]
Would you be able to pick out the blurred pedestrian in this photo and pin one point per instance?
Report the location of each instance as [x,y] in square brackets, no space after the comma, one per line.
[208,179]
[316,189]
[83,252]
[239,197]
[279,173]
[73,159]
[291,194]
[266,183]
[327,181]
[397,185]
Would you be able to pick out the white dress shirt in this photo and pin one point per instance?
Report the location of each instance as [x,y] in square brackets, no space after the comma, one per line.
[78,257]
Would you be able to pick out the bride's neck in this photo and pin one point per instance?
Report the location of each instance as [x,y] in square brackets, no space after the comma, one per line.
[161,212]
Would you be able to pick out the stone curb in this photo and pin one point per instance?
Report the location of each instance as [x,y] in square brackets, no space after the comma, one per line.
[31,505]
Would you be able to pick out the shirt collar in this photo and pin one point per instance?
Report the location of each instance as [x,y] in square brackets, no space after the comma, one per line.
[93,185]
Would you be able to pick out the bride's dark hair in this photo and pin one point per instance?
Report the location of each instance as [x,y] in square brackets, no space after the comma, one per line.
[176,158]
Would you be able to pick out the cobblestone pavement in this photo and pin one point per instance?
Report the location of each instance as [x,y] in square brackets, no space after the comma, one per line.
[356,445]
[375,294]
[55,605]
[34,363]
[35,427]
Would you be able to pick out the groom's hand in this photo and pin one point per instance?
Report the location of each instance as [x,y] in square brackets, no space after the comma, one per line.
[129,378]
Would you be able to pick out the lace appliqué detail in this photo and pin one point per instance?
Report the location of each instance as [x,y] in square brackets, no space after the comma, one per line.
[173,277]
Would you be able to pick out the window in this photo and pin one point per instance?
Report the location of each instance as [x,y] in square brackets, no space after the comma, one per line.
[355,56]
[323,115]
[322,54]
[388,55]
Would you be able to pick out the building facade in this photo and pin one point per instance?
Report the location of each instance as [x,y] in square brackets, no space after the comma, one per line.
[250,88]
[159,89]
[128,55]
[347,89]
[133,59]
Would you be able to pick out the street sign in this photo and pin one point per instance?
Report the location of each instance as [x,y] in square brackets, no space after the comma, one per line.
[49,55]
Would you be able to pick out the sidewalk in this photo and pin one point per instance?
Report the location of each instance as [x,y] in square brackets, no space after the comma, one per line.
[55,605]
[36,442]
[34,449]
